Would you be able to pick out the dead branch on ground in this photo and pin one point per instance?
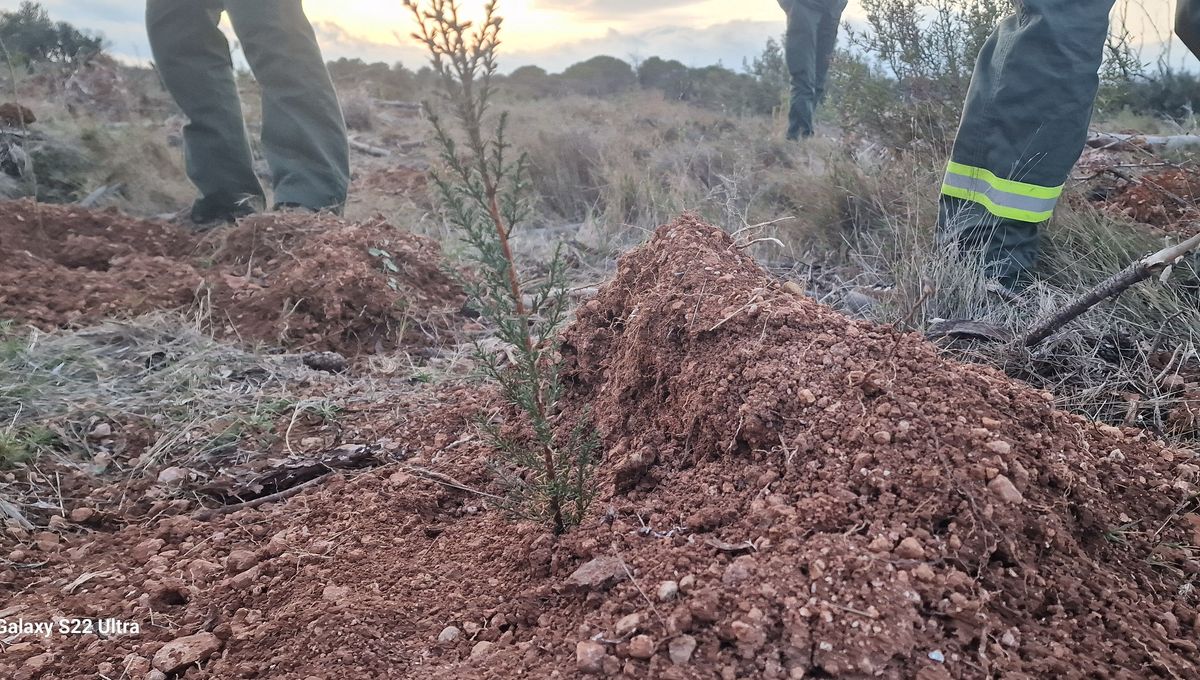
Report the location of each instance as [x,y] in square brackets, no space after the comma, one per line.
[1147,267]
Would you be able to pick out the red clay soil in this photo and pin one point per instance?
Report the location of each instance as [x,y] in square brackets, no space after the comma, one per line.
[297,280]
[1162,199]
[786,493]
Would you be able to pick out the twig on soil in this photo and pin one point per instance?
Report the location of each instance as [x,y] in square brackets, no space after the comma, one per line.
[765,239]
[211,514]
[760,225]
[852,610]
[446,480]
[1158,263]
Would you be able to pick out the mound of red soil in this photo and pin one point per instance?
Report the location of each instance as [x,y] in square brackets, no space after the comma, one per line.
[786,493]
[316,282]
[911,515]
[64,266]
[298,280]
[1163,199]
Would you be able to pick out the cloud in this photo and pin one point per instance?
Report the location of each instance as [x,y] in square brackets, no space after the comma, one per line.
[612,9]
[727,43]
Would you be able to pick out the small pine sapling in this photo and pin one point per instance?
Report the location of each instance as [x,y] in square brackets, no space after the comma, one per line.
[484,193]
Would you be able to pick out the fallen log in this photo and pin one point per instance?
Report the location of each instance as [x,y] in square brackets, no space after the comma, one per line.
[1145,268]
[363,147]
[292,473]
[1118,141]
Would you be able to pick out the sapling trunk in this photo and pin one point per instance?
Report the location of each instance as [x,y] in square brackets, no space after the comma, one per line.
[482,197]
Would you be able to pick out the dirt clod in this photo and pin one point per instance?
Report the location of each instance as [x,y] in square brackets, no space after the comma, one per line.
[627,624]
[910,549]
[667,590]
[330,362]
[239,561]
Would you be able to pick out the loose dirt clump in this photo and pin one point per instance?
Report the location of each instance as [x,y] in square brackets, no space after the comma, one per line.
[68,266]
[786,493]
[317,282]
[1164,199]
[297,280]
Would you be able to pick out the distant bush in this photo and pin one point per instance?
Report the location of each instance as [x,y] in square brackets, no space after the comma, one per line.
[599,76]
[1167,94]
[378,78]
[31,37]
[722,89]
[530,82]
[668,76]
[771,71]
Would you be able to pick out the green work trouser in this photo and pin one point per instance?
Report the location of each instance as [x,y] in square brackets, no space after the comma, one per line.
[1024,125]
[812,27]
[303,132]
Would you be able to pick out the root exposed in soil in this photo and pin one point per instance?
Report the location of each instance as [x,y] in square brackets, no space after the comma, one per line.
[301,281]
[787,493]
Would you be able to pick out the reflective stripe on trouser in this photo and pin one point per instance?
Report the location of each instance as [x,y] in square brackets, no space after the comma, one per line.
[1003,198]
[1024,124]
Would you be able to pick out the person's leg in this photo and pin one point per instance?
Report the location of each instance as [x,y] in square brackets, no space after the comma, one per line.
[1187,24]
[804,18]
[193,60]
[304,134]
[827,35]
[1024,125]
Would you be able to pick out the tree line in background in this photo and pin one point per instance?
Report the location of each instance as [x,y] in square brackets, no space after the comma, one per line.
[31,37]
[899,79]
[748,92]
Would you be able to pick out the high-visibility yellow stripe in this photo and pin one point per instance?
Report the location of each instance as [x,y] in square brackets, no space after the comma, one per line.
[1006,185]
[995,208]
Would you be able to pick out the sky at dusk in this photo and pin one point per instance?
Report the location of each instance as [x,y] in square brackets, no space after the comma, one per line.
[556,33]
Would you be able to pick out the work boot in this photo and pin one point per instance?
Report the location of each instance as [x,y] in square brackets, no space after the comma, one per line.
[210,212]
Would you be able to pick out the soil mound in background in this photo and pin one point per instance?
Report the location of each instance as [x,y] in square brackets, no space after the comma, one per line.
[298,280]
[786,493]
[317,282]
[1163,199]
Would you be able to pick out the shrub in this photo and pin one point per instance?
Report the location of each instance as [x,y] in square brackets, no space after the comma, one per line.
[599,76]
[549,473]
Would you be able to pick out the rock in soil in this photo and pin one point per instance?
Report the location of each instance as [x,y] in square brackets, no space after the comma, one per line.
[589,656]
[680,648]
[598,574]
[185,651]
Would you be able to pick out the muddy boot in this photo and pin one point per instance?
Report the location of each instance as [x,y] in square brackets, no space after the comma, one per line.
[209,212]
